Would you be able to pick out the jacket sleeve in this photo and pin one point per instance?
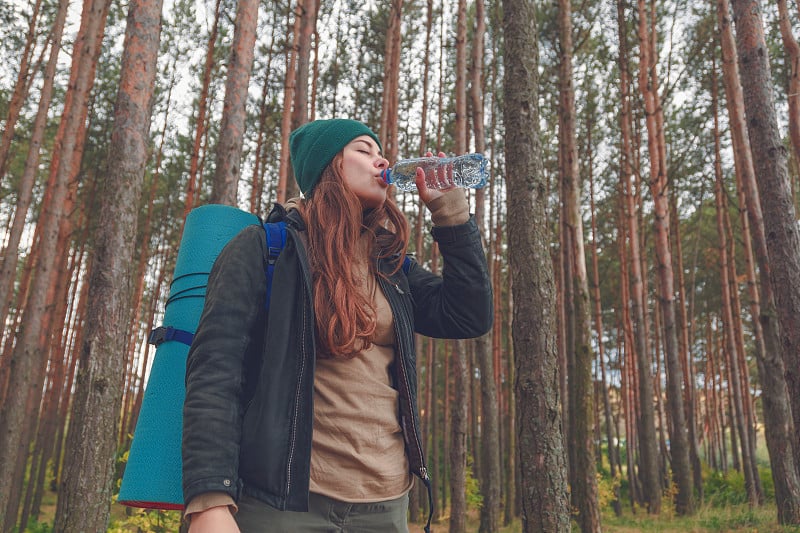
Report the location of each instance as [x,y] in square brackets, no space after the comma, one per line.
[457,304]
[212,411]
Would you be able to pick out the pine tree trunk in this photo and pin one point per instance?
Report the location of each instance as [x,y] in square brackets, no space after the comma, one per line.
[18,304]
[43,417]
[581,402]
[778,407]
[308,24]
[20,90]
[626,358]
[545,505]
[200,121]
[646,432]
[458,429]
[744,373]
[489,466]
[599,329]
[686,355]
[26,182]
[289,87]
[792,50]
[391,82]
[145,256]
[28,357]
[458,439]
[257,182]
[83,505]
[769,158]
[234,113]
[679,441]
[727,314]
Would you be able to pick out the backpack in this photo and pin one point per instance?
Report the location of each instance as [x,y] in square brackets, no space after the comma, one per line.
[275,236]
[153,473]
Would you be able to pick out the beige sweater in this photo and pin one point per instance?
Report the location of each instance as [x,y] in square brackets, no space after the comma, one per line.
[357,448]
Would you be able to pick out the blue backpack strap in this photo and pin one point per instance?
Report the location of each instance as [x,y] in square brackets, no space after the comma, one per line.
[406,264]
[275,234]
[163,334]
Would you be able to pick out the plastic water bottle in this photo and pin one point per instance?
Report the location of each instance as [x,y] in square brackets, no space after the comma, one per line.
[440,172]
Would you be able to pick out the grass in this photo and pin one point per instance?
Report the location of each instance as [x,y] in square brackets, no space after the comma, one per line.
[732,518]
[729,518]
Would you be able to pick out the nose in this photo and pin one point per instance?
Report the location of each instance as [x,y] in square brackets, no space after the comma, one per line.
[382,163]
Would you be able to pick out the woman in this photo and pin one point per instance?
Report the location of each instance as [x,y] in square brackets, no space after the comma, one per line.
[334,353]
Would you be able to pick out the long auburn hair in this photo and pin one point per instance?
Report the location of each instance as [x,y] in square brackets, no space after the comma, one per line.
[345,315]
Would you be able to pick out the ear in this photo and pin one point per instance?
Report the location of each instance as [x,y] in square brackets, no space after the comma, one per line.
[338,163]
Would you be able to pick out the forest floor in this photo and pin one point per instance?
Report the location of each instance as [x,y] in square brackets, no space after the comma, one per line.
[729,519]
[733,518]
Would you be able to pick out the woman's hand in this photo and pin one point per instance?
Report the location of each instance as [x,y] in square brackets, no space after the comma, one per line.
[448,206]
[426,194]
[213,520]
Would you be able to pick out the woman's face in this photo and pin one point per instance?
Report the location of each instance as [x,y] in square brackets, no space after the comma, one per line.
[362,164]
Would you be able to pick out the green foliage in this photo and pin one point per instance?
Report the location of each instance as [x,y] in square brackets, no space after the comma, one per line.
[474,496]
[723,489]
[767,484]
[150,520]
[135,519]
[607,490]
[746,518]
[708,518]
[39,527]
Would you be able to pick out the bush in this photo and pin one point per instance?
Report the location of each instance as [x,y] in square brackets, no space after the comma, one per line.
[765,474]
[150,520]
[474,496]
[39,527]
[723,489]
[607,490]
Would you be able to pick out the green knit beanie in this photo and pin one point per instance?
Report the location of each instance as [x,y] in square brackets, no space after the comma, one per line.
[313,146]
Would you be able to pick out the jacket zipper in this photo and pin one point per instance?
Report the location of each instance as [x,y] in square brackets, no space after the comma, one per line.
[399,317]
[296,415]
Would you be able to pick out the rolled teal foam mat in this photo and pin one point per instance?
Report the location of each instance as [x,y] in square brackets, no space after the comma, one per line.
[152,476]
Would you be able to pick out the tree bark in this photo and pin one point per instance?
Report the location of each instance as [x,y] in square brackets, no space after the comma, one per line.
[540,443]
[781,436]
[458,439]
[646,428]
[289,87]
[770,164]
[792,50]
[648,85]
[458,445]
[308,24]
[83,504]
[28,358]
[391,81]
[26,182]
[599,330]
[234,113]
[581,393]
[200,122]
[490,445]
[686,354]
[257,182]
[20,90]
[727,312]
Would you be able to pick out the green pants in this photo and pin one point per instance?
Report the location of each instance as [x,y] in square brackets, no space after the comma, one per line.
[325,515]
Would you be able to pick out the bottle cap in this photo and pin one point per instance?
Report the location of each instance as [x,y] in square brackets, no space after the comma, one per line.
[387,176]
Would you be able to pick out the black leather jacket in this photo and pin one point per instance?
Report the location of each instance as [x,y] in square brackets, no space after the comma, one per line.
[249,381]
